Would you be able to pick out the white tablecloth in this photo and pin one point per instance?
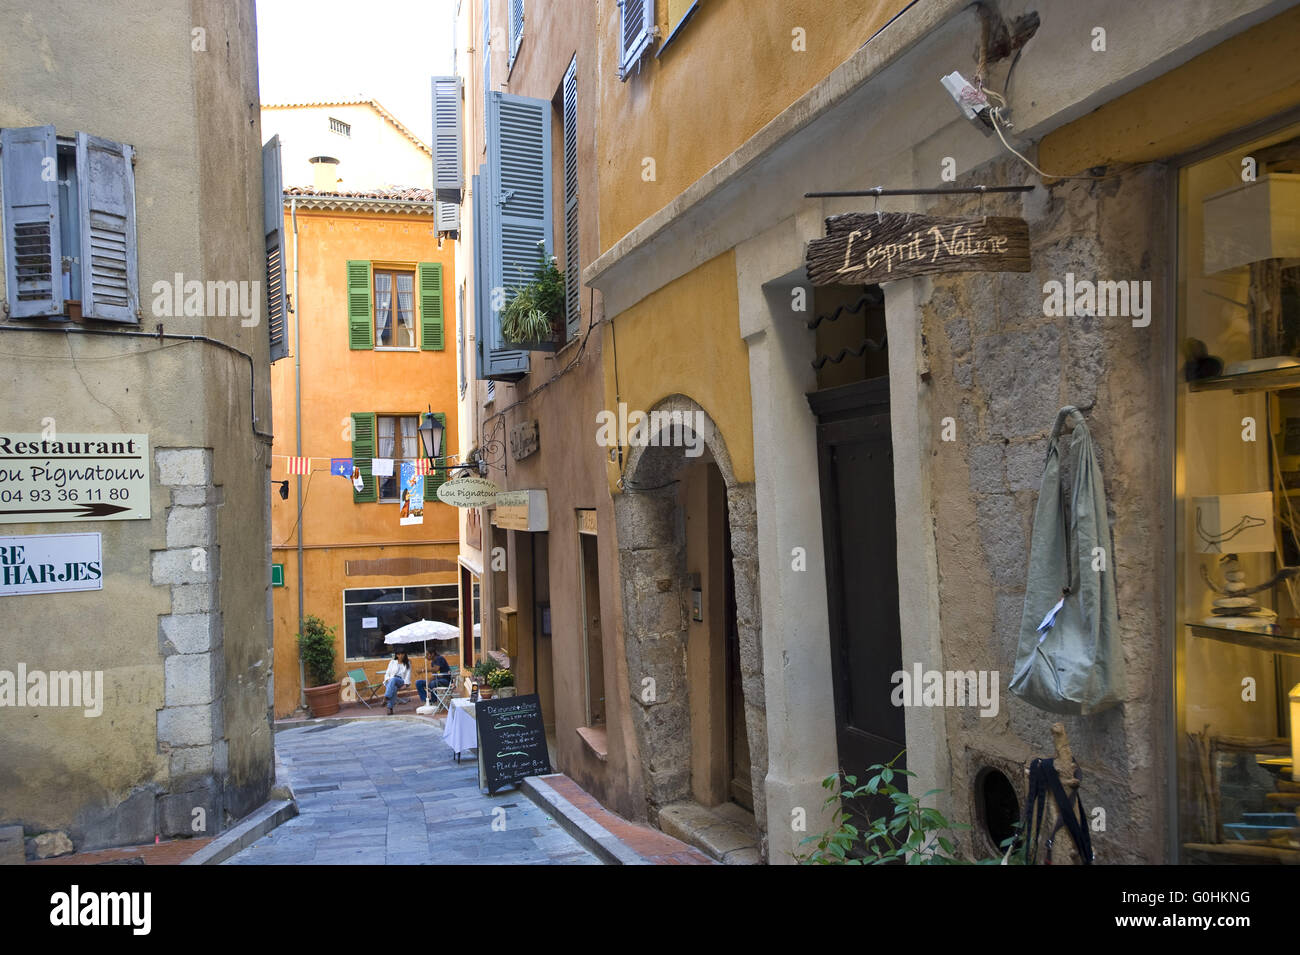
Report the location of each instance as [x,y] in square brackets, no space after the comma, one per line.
[461,732]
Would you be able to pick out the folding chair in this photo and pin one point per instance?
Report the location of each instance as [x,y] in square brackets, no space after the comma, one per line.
[443,694]
[364,686]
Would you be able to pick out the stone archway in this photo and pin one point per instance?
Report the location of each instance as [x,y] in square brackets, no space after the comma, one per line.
[656,585]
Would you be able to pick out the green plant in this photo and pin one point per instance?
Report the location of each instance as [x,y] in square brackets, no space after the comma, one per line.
[535,306]
[316,647]
[483,669]
[914,834]
[499,678]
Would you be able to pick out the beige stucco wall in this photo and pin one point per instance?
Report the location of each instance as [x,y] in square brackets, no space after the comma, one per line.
[100,778]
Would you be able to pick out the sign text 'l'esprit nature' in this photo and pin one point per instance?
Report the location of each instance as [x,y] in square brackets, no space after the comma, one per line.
[862,248]
[73,477]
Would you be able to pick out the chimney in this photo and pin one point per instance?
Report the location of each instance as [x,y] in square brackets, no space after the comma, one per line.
[325,173]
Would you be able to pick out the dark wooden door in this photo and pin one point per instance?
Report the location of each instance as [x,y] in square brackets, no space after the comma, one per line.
[856,471]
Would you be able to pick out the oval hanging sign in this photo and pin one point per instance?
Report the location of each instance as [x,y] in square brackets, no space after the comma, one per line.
[469,492]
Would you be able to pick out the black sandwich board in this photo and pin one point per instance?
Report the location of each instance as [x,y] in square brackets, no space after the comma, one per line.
[511,740]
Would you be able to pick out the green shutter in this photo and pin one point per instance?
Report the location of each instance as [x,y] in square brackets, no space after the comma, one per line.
[429,279]
[438,477]
[363,450]
[361,324]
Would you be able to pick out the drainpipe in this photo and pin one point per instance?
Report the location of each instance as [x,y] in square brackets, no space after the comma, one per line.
[297,402]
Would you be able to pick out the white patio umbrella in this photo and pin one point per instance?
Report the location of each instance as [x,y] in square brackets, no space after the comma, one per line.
[422,631]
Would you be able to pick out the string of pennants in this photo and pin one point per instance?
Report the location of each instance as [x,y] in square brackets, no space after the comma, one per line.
[344,467]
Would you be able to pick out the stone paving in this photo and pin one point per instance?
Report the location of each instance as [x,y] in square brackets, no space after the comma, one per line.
[390,793]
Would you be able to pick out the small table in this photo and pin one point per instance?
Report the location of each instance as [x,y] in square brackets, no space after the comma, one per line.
[461,731]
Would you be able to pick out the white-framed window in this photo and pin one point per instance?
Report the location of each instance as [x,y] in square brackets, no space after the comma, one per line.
[340,127]
[371,612]
[636,33]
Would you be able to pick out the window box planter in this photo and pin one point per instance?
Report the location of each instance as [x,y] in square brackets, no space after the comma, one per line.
[533,317]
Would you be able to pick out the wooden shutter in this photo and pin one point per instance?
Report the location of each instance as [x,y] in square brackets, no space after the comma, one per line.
[572,265]
[273,226]
[515,14]
[636,30]
[446,217]
[460,337]
[361,325]
[29,179]
[487,55]
[363,450]
[429,282]
[110,284]
[482,321]
[438,476]
[448,177]
[519,231]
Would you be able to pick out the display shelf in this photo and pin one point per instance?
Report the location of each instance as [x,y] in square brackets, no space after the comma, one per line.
[1288,643]
[1277,379]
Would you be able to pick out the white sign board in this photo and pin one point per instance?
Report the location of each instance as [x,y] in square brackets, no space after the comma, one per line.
[369,623]
[73,477]
[50,564]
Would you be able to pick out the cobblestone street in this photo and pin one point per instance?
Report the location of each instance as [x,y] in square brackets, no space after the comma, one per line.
[390,793]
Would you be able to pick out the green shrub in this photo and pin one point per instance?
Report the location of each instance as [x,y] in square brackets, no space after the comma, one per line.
[914,834]
[535,306]
[499,678]
[483,669]
[316,647]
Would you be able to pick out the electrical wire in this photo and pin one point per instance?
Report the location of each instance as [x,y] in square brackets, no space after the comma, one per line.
[306,491]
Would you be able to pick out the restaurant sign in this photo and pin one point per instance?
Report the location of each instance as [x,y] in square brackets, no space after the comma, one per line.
[71,477]
[863,248]
[468,492]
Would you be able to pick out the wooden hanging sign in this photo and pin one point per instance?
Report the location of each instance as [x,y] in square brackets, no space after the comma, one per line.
[861,248]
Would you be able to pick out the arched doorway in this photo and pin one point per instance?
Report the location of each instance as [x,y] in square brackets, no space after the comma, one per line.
[688,540]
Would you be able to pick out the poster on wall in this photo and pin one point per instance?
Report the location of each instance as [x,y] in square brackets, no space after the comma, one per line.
[1233,523]
[412,495]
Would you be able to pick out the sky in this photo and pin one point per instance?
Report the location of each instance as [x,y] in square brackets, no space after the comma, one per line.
[380,49]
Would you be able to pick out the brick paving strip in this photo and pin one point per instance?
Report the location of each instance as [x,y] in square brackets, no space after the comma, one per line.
[173,852]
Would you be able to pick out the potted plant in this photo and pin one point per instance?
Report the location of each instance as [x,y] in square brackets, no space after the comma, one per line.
[316,648]
[483,671]
[533,317]
[502,682]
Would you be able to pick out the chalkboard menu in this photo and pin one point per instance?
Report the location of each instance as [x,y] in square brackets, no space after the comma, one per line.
[512,740]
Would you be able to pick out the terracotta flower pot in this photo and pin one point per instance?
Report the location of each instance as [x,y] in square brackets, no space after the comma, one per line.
[323,700]
[485,692]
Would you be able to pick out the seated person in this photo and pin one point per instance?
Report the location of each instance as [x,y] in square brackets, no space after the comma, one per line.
[396,676]
[441,667]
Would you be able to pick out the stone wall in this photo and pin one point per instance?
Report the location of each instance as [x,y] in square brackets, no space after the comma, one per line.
[1001,369]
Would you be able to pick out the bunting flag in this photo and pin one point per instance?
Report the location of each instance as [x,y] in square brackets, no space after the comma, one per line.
[423,466]
[381,467]
[342,467]
[299,465]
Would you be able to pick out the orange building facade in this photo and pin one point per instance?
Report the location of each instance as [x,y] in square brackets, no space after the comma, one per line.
[374,352]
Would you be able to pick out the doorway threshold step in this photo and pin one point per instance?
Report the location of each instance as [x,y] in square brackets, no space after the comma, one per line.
[727,832]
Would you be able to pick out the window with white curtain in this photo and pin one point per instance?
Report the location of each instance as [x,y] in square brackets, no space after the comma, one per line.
[394,315]
[398,439]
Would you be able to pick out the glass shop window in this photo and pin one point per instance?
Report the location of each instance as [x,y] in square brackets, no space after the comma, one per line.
[1237,480]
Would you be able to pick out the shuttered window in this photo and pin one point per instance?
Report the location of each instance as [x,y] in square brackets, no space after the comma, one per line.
[363,450]
[273,226]
[572,265]
[519,211]
[88,230]
[448,177]
[360,329]
[636,31]
[515,14]
[429,282]
[109,283]
[32,241]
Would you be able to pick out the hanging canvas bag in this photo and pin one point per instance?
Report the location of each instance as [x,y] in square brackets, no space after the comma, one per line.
[1069,659]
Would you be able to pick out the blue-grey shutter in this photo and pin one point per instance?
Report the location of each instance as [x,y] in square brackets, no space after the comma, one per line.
[515,14]
[448,177]
[519,229]
[636,30]
[29,181]
[273,227]
[481,320]
[447,217]
[110,283]
[572,264]
[460,338]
